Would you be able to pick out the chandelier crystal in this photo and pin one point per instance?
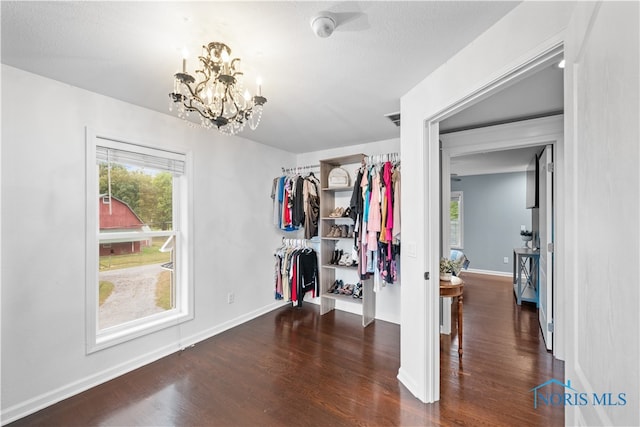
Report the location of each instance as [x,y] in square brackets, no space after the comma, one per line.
[218,97]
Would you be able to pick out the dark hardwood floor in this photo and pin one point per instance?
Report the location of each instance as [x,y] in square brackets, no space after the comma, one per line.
[293,367]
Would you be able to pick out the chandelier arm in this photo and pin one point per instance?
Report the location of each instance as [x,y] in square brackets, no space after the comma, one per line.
[193,94]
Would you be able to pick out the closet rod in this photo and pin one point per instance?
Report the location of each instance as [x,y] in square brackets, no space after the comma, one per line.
[380,158]
[300,168]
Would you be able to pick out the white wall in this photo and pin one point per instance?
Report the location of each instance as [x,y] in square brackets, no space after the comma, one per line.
[43,241]
[527,30]
[388,299]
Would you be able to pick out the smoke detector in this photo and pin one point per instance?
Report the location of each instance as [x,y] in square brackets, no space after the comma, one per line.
[323,24]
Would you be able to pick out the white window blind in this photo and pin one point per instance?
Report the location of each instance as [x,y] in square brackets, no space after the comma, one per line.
[147,158]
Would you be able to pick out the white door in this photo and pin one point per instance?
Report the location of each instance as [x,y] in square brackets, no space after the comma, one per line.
[545,233]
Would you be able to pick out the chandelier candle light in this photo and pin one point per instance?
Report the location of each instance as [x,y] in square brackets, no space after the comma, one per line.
[218,96]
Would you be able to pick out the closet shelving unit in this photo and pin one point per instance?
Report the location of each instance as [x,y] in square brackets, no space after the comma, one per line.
[330,199]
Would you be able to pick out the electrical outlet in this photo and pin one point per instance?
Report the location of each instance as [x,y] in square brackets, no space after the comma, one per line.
[230,298]
[506,260]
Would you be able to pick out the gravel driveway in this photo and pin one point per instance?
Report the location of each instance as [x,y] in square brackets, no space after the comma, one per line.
[133,296]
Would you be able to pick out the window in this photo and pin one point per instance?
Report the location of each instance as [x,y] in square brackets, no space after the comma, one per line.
[455,215]
[138,265]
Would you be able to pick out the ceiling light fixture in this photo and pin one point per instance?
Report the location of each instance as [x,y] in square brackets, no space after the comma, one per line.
[218,97]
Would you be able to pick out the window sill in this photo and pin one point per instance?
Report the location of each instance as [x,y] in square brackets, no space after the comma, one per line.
[137,328]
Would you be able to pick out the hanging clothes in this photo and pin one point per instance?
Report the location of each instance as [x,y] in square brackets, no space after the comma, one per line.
[296,203]
[311,203]
[375,209]
[295,273]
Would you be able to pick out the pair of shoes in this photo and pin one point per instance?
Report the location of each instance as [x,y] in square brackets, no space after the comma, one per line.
[357,291]
[339,231]
[335,231]
[337,254]
[346,260]
[335,287]
[347,289]
[337,213]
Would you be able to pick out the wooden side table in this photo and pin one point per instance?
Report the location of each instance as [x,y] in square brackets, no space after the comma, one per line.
[451,290]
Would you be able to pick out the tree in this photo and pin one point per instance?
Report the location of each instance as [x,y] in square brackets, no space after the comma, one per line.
[163,184]
[148,194]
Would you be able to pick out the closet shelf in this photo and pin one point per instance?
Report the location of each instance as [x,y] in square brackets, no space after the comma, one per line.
[347,267]
[331,199]
[345,298]
[336,189]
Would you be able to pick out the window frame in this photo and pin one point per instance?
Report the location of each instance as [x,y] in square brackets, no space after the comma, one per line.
[460,243]
[182,229]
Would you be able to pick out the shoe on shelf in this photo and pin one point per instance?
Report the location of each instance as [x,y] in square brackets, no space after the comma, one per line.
[337,213]
[333,257]
[333,287]
[346,213]
[344,231]
[345,260]
[357,292]
[347,290]
[339,287]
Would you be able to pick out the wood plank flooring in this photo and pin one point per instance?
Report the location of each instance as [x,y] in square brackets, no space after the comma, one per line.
[293,367]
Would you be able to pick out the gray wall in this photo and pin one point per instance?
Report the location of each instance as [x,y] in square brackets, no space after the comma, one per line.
[493,209]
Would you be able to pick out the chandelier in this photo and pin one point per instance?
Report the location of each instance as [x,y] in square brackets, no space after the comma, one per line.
[218,97]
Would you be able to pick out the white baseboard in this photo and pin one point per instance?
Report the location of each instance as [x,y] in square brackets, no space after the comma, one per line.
[490,272]
[49,398]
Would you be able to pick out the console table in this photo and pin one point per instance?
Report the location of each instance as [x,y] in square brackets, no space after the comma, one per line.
[525,274]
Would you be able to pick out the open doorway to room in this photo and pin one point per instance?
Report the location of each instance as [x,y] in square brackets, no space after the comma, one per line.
[486,151]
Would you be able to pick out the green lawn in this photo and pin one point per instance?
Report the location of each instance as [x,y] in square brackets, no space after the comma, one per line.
[148,255]
[163,290]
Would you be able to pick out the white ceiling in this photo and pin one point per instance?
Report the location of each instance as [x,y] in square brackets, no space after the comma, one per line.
[539,95]
[513,160]
[322,93]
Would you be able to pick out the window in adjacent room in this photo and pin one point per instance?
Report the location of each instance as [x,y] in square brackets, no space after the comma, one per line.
[138,262]
[455,213]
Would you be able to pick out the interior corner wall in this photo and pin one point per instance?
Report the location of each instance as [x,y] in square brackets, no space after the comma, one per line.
[493,212]
[540,26]
[43,240]
[388,299]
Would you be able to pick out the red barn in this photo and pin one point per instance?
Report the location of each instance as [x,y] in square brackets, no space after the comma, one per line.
[117,216]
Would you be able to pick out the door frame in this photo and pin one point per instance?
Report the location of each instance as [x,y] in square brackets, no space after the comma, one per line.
[527,133]
[432,205]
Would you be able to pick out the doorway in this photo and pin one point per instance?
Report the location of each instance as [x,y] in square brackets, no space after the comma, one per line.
[494,218]
[537,132]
